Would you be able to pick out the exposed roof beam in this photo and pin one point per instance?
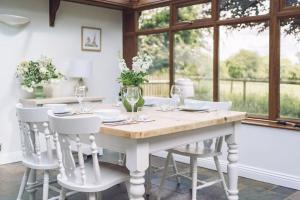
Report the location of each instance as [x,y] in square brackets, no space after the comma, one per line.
[53,8]
[113,4]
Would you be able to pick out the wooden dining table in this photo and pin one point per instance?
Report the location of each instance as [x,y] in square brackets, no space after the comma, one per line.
[167,130]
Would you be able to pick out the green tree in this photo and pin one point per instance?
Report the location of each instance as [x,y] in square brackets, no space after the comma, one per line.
[244,64]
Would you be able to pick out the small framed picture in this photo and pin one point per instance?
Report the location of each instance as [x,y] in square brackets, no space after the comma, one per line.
[90,39]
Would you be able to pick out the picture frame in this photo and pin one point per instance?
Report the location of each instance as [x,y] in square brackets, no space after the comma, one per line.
[91,39]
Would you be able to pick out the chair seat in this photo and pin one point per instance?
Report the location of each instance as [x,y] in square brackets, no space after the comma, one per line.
[43,164]
[194,151]
[110,175]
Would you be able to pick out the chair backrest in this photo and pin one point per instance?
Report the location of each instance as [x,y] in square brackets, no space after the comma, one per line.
[33,124]
[150,100]
[225,105]
[68,129]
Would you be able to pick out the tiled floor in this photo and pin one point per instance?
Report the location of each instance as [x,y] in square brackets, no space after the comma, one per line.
[10,177]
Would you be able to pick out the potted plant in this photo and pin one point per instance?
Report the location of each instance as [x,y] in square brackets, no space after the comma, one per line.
[34,75]
[136,77]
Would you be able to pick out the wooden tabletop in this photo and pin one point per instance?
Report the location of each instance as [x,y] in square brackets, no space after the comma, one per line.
[66,100]
[172,122]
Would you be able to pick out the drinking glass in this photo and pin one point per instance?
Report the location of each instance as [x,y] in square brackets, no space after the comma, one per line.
[132,95]
[80,93]
[176,93]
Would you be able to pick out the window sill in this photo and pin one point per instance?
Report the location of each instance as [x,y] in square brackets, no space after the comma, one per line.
[268,123]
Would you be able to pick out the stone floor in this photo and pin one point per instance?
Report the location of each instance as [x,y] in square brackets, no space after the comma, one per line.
[11,174]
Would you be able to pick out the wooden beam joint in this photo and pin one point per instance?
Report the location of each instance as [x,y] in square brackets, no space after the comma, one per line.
[53,8]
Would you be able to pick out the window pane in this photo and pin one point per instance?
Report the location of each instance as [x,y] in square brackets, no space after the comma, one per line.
[244,67]
[243,8]
[290,68]
[193,59]
[193,12]
[154,18]
[292,2]
[157,46]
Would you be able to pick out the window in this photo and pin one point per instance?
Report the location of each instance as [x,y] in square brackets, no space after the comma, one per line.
[244,67]
[193,59]
[290,68]
[194,12]
[244,8]
[227,57]
[156,45]
[292,2]
[154,18]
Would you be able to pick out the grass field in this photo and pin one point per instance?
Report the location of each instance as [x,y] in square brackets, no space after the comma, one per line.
[251,97]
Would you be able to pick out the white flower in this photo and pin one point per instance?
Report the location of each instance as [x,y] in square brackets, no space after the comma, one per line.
[43,70]
[122,65]
[141,63]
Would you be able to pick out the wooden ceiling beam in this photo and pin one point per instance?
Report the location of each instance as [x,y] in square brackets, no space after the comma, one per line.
[112,4]
[53,8]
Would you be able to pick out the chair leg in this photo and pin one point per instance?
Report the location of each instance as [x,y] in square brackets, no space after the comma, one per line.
[23,183]
[162,181]
[99,196]
[175,169]
[149,176]
[221,175]
[46,185]
[62,195]
[194,178]
[92,196]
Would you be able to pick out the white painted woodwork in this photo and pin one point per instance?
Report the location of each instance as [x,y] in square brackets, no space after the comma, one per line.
[88,176]
[33,123]
[198,150]
[58,100]
[168,131]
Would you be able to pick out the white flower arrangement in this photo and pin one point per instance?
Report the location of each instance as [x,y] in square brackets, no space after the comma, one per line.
[37,73]
[136,75]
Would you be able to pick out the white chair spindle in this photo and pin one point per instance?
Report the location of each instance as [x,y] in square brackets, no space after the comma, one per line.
[95,158]
[59,157]
[81,160]
[21,125]
[37,141]
[48,141]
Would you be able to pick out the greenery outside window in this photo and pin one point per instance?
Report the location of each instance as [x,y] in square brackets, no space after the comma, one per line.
[243,8]
[154,18]
[194,12]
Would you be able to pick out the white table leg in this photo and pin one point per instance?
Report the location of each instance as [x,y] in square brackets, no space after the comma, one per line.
[232,167]
[31,182]
[137,161]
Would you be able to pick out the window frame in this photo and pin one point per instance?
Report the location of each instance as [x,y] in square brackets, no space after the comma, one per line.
[277,12]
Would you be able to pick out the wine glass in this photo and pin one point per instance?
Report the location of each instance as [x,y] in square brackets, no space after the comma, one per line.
[176,93]
[80,93]
[132,95]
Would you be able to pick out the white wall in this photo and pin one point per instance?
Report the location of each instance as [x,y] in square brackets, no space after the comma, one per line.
[265,154]
[61,43]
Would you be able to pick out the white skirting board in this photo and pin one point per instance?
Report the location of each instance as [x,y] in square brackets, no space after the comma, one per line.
[246,171]
[11,157]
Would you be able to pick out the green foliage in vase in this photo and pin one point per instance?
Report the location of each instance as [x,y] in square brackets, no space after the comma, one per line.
[137,75]
[37,73]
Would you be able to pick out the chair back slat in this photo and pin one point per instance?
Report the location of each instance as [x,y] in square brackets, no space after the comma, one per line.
[32,122]
[81,160]
[73,129]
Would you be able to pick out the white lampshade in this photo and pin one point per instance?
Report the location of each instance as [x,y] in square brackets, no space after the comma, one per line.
[13,20]
[187,87]
[80,68]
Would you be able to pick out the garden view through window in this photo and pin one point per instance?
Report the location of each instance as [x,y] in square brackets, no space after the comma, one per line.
[243,55]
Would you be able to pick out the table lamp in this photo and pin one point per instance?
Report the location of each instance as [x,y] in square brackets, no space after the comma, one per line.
[80,69]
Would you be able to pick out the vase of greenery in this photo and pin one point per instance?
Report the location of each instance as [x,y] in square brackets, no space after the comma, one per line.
[136,77]
[34,75]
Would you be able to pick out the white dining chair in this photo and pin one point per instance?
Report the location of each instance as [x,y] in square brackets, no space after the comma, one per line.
[198,150]
[34,130]
[87,176]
